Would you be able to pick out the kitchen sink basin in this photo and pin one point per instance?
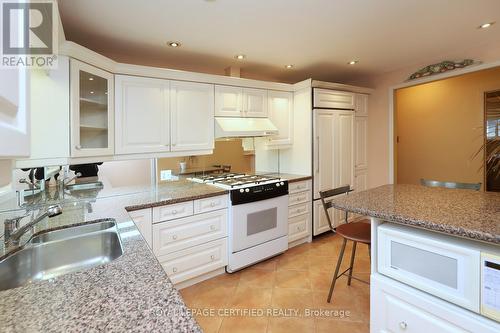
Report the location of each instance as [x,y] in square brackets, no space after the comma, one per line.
[48,260]
[85,186]
[72,231]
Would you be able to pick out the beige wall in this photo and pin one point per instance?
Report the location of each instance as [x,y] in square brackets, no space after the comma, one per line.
[378,126]
[441,126]
[226,152]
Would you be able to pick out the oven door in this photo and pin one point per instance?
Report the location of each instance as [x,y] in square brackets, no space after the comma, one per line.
[258,222]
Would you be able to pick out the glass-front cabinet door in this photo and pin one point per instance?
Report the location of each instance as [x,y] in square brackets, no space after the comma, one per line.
[92,121]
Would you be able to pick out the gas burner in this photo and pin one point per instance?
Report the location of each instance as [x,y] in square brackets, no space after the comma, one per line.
[235,180]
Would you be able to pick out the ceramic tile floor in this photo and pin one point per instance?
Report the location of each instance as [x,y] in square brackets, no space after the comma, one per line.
[297,282]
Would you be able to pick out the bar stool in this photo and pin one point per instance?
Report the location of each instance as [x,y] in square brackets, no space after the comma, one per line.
[465,186]
[357,232]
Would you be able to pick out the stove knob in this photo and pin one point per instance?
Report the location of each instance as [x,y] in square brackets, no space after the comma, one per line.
[247,190]
[242,190]
[277,184]
[282,183]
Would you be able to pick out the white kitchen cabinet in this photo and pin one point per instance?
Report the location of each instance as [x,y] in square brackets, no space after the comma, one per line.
[143,220]
[228,101]
[360,151]
[333,151]
[255,103]
[92,110]
[280,112]
[397,307]
[361,180]
[142,115]
[299,212]
[192,116]
[361,104]
[320,223]
[331,99]
[14,114]
[240,102]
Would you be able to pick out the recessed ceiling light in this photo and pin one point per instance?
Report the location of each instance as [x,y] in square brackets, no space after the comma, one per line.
[91,92]
[240,56]
[174,44]
[486,25]
[353,62]
[91,79]
[290,66]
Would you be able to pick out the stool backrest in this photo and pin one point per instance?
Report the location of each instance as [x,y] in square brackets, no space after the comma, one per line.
[435,183]
[324,195]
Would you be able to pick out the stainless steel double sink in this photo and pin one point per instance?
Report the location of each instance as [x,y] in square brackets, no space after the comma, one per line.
[54,253]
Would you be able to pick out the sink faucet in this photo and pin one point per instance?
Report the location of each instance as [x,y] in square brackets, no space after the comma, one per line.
[68,180]
[12,231]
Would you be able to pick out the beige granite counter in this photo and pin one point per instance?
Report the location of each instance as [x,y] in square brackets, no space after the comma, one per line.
[465,213]
[288,176]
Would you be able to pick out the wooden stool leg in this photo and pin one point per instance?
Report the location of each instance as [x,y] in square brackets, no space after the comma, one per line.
[335,275]
[353,254]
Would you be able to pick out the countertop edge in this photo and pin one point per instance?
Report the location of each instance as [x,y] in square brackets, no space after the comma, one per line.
[174,201]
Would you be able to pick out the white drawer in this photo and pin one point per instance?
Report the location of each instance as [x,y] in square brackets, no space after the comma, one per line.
[299,198]
[298,227]
[182,233]
[332,99]
[300,209]
[195,261]
[170,212]
[399,308]
[301,186]
[210,204]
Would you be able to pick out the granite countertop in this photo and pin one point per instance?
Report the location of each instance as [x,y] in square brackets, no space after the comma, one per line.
[131,293]
[465,213]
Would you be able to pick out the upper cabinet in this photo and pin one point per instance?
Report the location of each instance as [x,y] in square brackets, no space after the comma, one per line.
[361,105]
[192,115]
[280,111]
[142,115]
[92,111]
[331,99]
[255,103]
[14,115]
[155,115]
[240,102]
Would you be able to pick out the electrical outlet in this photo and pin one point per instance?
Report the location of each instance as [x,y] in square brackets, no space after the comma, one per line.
[165,174]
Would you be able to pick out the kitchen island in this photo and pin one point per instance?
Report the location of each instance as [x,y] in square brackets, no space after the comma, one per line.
[130,293]
[429,255]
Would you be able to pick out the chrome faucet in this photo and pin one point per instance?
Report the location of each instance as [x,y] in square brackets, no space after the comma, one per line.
[68,180]
[12,231]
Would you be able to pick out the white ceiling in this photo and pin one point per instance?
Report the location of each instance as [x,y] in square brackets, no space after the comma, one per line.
[318,36]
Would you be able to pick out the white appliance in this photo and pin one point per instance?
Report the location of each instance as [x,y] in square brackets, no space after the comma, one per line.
[258,216]
[227,127]
[447,267]
[333,158]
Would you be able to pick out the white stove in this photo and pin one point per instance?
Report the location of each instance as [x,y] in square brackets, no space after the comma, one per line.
[258,216]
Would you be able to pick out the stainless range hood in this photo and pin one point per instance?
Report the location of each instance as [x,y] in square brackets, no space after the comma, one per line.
[243,127]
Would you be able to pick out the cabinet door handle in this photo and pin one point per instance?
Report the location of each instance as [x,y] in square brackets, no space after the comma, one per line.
[317,158]
[212,204]
[403,325]
[174,212]
[174,269]
[78,147]
[212,227]
[174,237]
[212,257]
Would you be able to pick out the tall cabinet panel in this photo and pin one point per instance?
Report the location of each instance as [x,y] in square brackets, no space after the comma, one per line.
[142,115]
[361,143]
[92,111]
[192,115]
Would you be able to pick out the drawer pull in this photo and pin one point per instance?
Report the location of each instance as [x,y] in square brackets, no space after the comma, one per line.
[174,212]
[299,211]
[403,325]
[174,237]
[174,269]
[212,257]
[212,204]
[212,227]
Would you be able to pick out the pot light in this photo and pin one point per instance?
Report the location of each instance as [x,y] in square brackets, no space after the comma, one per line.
[174,44]
[486,25]
[353,62]
[91,79]
[240,56]
[91,92]
[290,66]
